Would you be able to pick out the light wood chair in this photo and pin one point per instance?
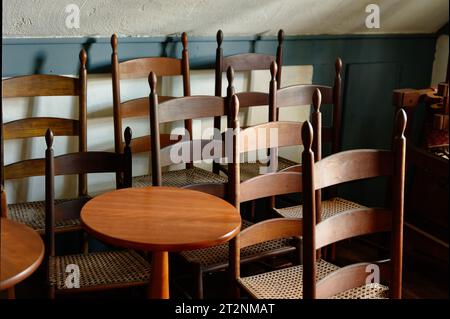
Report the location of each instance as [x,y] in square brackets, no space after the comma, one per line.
[33,213]
[237,191]
[247,100]
[138,108]
[317,278]
[99,270]
[183,108]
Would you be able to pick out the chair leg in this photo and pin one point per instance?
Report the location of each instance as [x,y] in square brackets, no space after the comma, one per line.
[11,293]
[85,243]
[252,210]
[299,251]
[332,252]
[51,292]
[199,282]
[272,203]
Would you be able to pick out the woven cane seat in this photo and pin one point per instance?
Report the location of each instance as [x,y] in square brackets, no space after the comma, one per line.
[249,170]
[217,255]
[114,268]
[287,283]
[329,208]
[370,291]
[180,178]
[32,214]
[284,283]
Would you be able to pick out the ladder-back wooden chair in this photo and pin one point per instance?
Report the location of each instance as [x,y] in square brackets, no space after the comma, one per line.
[237,191]
[317,278]
[315,95]
[138,68]
[183,108]
[99,270]
[33,213]
[255,99]
[246,62]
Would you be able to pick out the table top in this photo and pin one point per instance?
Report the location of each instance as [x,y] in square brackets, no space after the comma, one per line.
[159,218]
[21,252]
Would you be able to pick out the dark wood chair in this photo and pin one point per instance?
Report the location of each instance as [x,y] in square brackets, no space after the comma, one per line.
[237,191]
[317,278]
[183,108]
[248,100]
[314,95]
[99,270]
[33,213]
[138,68]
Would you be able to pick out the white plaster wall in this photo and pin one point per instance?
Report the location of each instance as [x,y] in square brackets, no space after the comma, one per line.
[46,18]
[440,60]
[100,134]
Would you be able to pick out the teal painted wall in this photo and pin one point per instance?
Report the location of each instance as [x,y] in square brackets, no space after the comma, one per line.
[373,67]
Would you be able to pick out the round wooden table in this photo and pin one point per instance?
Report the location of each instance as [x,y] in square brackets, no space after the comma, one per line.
[21,253]
[160,219]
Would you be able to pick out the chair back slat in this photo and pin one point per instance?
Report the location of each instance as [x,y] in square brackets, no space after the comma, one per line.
[142,144]
[191,107]
[25,168]
[270,135]
[37,126]
[191,151]
[40,85]
[247,61]
[297,95]
[270,229]
[140,68]
[138,107]
[352,165]
[360,221]
[270,185]
[349,277]
[250,99]
[88,162]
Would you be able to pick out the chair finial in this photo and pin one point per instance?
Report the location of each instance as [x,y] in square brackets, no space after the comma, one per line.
[338,65]
[280,36]
[219,38]
[400,122]
[114,42]
[307,135]
[83,57]
[230,75]
[127,134]
[152,81]
[49,138]
[273,70]
[184,40]
[317,99]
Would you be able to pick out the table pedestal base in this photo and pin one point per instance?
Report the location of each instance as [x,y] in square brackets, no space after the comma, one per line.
[159,281]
